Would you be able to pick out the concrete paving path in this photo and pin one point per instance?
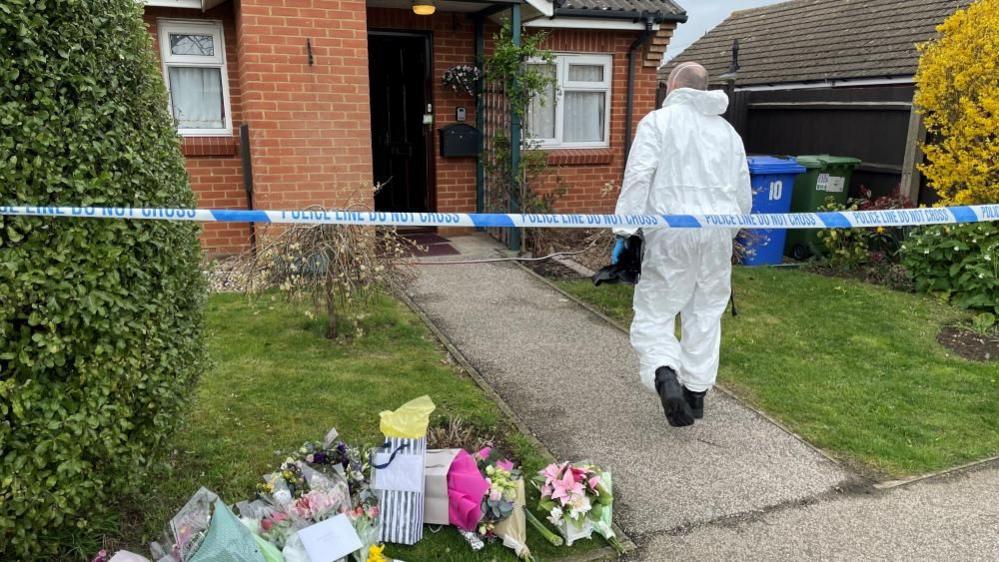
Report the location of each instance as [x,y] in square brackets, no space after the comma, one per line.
[950,518]
[573,380]
[734,486]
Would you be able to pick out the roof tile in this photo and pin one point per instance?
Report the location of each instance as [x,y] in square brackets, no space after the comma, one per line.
[815,40]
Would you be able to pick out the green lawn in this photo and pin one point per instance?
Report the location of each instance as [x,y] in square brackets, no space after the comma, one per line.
[276,382]
[851,367]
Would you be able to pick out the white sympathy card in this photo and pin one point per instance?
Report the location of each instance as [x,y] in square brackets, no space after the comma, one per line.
[330,540]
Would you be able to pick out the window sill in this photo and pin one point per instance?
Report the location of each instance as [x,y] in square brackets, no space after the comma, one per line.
[580,156]
[209,146]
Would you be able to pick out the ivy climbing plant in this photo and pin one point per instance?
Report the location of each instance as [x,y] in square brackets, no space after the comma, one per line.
[516,68]
[519,72]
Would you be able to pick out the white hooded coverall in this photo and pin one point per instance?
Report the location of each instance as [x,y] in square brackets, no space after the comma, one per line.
[686,159]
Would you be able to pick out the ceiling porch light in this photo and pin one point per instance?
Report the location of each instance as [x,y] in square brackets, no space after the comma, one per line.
[424,7]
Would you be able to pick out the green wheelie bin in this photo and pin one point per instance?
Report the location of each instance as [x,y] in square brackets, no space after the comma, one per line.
[825,176]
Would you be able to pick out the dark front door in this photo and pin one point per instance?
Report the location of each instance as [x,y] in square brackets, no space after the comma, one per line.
[401,142]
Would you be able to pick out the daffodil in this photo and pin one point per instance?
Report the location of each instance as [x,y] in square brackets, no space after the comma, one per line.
[375,553]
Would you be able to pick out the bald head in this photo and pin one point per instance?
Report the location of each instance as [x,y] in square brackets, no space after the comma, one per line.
[688,75]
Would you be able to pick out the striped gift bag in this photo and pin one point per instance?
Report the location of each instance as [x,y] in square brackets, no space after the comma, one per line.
[399,485]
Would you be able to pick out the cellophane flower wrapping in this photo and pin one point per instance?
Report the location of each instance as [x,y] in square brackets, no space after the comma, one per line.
[603,522]
[339,460]
[577,499]
[501,496]
[293,498]
[466,487]
[513,529]
[366,522]
[227,539]
[186,529]
[315,482]
[503,515]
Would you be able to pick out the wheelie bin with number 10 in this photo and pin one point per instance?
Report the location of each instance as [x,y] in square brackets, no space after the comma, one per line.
[773,179]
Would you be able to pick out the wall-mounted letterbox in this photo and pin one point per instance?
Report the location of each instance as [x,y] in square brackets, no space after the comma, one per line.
[459,139]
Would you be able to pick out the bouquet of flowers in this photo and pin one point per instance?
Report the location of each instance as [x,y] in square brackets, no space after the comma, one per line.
[462,78]
[282,487]
[275,527]
[578,500]
[315,483]
[365,522]
[186,529]
[202,529]
[333,456]
[503,506]
[294,497]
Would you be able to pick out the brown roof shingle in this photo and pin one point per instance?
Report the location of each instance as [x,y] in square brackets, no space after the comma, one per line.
[818,40]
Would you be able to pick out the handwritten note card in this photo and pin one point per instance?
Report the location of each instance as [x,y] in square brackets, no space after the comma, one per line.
[330,540]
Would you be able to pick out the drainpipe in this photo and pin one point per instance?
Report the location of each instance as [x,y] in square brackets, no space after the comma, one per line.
[244,149]
[650,20]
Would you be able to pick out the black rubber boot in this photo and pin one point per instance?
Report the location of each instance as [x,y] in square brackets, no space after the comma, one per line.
[670,391]
[696,402]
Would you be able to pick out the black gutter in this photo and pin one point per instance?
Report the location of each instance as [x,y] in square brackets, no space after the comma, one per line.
[634,15]
[630,97]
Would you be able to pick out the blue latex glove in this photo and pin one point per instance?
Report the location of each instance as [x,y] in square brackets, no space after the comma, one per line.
[617,251]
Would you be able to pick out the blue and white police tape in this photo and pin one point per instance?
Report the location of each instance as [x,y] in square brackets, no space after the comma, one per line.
[846,219]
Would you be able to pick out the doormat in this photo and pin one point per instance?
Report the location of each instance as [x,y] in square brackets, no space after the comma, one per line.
[426,238]
[431,245]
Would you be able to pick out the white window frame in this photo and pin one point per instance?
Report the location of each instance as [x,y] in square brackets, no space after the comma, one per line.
[196,27]
[563,84]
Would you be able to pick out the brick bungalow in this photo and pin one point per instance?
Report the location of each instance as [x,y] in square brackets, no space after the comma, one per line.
[321,98]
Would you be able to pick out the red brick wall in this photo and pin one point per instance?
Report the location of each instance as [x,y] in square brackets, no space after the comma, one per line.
[453,43]
[213,163]
[593,176]
[310,124]
[310,138]
[586,172]
[310,128]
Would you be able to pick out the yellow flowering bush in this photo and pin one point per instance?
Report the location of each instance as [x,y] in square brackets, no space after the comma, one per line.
[958,96]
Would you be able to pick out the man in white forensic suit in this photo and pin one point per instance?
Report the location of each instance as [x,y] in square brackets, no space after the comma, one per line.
[686,159]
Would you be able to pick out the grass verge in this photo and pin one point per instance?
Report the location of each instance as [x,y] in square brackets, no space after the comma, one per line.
[276,382]
[853,368]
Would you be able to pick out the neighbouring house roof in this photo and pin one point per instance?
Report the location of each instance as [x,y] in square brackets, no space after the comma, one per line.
[820,40]
[666,9]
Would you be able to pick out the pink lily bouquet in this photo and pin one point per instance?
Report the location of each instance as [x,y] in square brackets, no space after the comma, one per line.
[578,500]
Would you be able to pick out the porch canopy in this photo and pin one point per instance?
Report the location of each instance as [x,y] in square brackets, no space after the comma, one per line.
[532,8]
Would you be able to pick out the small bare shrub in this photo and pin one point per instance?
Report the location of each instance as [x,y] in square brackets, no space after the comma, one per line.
[335,267]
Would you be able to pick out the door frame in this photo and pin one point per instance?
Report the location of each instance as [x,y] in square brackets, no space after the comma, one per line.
[428,96]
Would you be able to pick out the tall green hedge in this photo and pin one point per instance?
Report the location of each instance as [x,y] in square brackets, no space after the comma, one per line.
[100,320]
